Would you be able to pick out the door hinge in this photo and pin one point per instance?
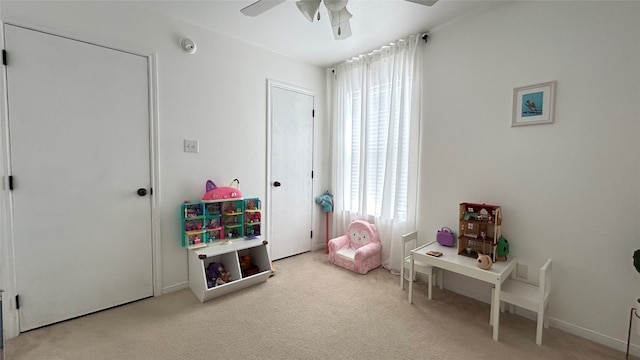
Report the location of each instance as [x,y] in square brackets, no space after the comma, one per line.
[313,113]
[17,302]
[4,57]
[312,174]
[11,182]
[150,191]
[311,235]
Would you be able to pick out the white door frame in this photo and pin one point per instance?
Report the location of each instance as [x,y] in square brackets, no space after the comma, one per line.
[273,83]
[7,266]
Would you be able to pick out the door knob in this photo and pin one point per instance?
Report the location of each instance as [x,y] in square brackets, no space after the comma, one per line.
[142,192]
[276,183]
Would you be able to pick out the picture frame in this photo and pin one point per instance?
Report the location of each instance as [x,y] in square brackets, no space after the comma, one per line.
[534,104]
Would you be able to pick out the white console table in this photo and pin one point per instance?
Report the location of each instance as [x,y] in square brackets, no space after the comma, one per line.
[464,265]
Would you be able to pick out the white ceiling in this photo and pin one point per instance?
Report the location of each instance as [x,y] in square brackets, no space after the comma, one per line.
[284,30]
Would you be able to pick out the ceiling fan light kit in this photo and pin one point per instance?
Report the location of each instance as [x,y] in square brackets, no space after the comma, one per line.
[338,14]
[341,31]
[335,5]
[339,17]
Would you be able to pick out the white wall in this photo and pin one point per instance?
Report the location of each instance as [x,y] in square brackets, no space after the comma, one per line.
[217,96]
[570,190]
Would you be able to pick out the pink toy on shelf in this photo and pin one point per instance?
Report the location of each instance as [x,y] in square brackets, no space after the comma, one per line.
[214,192]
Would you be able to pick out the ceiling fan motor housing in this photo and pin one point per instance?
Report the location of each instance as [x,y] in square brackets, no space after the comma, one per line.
[335,5]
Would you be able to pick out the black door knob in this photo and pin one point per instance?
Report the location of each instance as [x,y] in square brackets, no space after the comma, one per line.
[142,192]
[276,184]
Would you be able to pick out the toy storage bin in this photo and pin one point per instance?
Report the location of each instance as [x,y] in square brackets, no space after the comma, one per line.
[251,217]
[194,238]
[192,210]
[213,209]
[213,223]
[233,207]
[231,265]
[252,204]
[193,224]
[227,254]
[252,230]
[212,235]
[258,258]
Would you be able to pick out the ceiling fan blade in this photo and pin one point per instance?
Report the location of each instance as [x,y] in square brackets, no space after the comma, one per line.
[423,2]
[308,8]
[338,17]
[342,31]
[260,6]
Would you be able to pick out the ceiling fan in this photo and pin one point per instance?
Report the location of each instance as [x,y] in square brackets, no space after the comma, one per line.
[338,14]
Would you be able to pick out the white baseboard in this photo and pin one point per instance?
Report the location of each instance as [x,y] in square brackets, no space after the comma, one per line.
[605,340]
[617,344]
[175,287]
[317,247]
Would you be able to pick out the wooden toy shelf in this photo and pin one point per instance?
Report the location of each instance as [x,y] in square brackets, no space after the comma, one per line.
[224,231]
[479,228]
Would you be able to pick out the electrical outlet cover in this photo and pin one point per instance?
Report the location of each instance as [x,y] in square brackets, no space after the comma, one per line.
[191,146]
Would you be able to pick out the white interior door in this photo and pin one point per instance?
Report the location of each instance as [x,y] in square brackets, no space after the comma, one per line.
[291,164]
[79,148]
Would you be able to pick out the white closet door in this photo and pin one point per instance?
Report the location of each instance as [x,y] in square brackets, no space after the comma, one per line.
[79,137]
[291,163]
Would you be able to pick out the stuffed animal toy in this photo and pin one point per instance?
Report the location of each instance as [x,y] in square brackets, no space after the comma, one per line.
[326,201]
[247,267]
[216,275]
[214,192]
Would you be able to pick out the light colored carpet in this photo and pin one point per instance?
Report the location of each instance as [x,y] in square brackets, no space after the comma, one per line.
[310,309]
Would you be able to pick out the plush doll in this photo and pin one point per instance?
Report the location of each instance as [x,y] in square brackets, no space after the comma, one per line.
[326,201]
[216,275]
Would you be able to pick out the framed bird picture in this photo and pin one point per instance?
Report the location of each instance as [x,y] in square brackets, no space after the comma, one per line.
[534,104]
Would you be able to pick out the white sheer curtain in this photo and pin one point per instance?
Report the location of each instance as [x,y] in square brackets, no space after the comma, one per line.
[374,102]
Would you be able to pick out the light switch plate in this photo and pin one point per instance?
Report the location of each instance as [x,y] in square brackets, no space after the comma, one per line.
[191,146]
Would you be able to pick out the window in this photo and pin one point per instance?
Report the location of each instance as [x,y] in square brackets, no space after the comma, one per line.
[378,159]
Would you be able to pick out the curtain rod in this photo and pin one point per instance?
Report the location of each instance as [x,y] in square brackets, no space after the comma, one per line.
[424,37]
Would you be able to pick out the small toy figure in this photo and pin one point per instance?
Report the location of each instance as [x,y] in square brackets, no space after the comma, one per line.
[484,261]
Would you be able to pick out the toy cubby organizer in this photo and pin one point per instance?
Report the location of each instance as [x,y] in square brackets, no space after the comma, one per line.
[480,227]
[225,232]
[207,223]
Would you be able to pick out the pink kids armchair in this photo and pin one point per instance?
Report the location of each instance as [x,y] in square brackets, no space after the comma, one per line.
[359,250]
